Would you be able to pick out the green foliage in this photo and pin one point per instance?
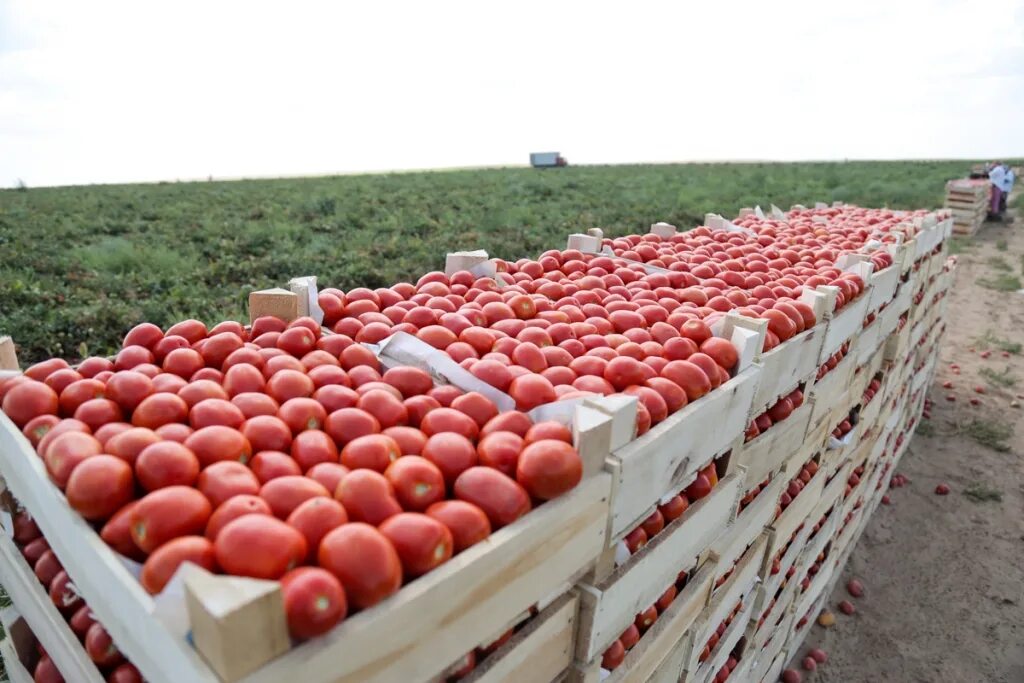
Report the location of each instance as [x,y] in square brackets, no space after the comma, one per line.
[980,493]
[958,244]
[1001,379]
[1003,282]
[81,265]
[989,433]
[990,340]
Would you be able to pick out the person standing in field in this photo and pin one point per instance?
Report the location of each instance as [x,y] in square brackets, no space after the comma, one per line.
[1006,187]
[997,178]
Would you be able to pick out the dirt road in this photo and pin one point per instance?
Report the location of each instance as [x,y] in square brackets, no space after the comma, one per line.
[944,575]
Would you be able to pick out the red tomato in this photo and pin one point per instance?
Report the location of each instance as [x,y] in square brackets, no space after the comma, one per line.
[288,384]
[329,474]
[410,440]
[192,330]
[183,362]
[77,393]
[709,366]
[268,465]
[63,594]
[81,621]
[476,406]
[409,381]
[215,411]
[38,427]
[530,391]
[218,347]
[422,542]
[549,430]
[298,341]
[160,409]
[132,356]
[168,513]
[364,561]
[373,451]
[97,412]
[312,447]
[451,452]
[117,533]
[449,420]
[46,671]
[267,433]
[674,508]
[417,482]
[314,518]
[219,443]
[253,404]
[66,452]
[166,463]
[501,450]
[314,601]
[161,565]
[467,523]
[613,656]
[389,410]
[284,494]
[335,397]
[501,498]
[233,508]
[47,567]
[302,413]
[174,432]
[418,407]
[101,648]
[110,430]
[125,673]
[223,480]
[367,496]
[350,423]
[722,351]
[549,468]
[689,377]
[127,389]
[511,421]
[33,550]
[99,486]
[259,546]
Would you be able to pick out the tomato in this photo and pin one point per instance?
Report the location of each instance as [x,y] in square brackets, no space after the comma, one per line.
[183,362]
[501,498]
[422,542]
[219,443]
[511,421]
[160,409]
[166,383]
[65,425]
[444,420]
[62,379]
[33,550]
[288,384]
[410,440]
[674,508]
[329,375]
[77,393]
[314,601]
[409,381]
[549,468]
[28,400]
[218,347]
[243,378]
[192,330]
[387,409]
[81,620]
[418,483]
[368,496]
[689,377]
[654,523]
[109,431]
[117,533]
[66,452]
[276,364]
[97,412]
[174,431]
[314,518]
[549,430]
[298,341]
[223,480]
[252,404]
[365,562]
[302,413]
[781,410]
[709,366]
[38,427]
[467,523]
[164,562]
[47,567]
[418,407]
[335,397]
[128,388]
[90,367]
[613,656]
[233,508]
[166,463]
[125,673]
[63,593]
[267,433]
[350,423]
[373,451]
[530,391]
[259,546]
[101,648]
[501,450]
[452,453]
[166,345]
[476,406]
[492,372]
[268,465]
[168,513]
[99,486]
[328,474]
[699,488]
[284,494]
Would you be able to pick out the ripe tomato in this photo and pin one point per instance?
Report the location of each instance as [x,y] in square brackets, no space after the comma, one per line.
[218,443]
[549,430]
[549,468]
[253,404]
[168,513]
[699,488]
[161,565]
[501,450]
[215,411]
[77,393]
[613,656]
[501,498]
[160,409]
[63,593]
[476,406]
[373,451]
[314,518]
[166,463]
[259,546]
[233,508]
[97,412]
[329,375]
[298,341]
[512,421]
[422,542]
[267,433]
[218,347]
[99,486]
[451,452]
[314,601]
[302,413]
[417,482]
[335,397]
[46,671]
[329,474]
[183,362]
[192,330]
[367,496]
[38,427]
[66,452]
[365,562]
[33,550]
[674,508]
[81,621]
[691,378]
[312,447]
[128,388]
[409,381]
[350,423]
[418,407]
[268,465]
[47,567]
[530,391]
[101,648]
[125,673]
[174,432]
[118,535]
[467,523]
[410,440]
[288,384]
[223,480]
[389,410]
[284,494]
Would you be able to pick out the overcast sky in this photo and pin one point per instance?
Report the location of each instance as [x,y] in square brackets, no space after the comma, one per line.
[97,92]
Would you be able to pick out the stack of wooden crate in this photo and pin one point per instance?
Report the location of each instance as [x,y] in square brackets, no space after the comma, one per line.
[968,200]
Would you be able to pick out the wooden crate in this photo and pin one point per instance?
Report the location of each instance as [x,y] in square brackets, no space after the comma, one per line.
[610,605]
[473,596]
[868,341]
[883,285]
[844,325]
[17,647]
[34,606]
[749,525]
[768,451]
[706,671]
[797,512]
[759,637]
[828,394]
[833,490]
[769,664]
[797,542]
[541,651]
[659,653]
[668,457]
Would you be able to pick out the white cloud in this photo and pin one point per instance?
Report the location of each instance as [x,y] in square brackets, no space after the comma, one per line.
[124,91]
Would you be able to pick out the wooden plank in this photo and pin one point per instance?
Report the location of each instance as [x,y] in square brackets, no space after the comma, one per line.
[844,325]
[669,456]
[767,452]
[787,365]
[827,393]
[796,544]
[773,616]
[276,302]
[883,287]
[8,357]
[608,608]
[749,524]
[706,671]
[538,653]
[796,513]
[33,603]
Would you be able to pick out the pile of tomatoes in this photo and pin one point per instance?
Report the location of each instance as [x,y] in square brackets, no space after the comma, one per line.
[48,569]
[278,452]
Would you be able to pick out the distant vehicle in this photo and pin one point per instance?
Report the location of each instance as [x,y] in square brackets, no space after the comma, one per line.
[547,160]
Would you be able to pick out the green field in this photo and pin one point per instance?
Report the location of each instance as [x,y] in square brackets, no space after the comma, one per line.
[81,265]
